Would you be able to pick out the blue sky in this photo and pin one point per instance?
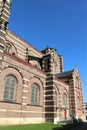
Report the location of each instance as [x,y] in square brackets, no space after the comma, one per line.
[60,24]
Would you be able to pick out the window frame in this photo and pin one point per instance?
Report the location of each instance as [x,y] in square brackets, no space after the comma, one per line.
[35,95]
[10,89]
[8,48]
[65,100]
[78,103]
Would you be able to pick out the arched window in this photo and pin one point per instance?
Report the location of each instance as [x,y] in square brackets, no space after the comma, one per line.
[35,94]
[8,48]
[65,100]
[78,103]
[10,88]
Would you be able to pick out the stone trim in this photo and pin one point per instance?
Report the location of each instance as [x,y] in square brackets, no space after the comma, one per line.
[18,111]
[6,5]
[2,38]
[50,112]
[48,100]
[6,14]
[25,91]
[24,104]
[49,90]
[1,50]
[50,106]
[21,56]
[49,85]
[21,120]
[7,11]
[3,18]
[2,31]
[24,85]
[0,58]
[49,95]
[26,79]
[24,97]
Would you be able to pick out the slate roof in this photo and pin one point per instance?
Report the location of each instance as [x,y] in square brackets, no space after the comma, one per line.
[64,74]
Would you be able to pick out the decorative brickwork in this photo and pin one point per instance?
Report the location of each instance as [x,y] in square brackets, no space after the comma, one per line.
[58,94]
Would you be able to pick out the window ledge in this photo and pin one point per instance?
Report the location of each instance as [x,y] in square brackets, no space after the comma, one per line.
[34,105]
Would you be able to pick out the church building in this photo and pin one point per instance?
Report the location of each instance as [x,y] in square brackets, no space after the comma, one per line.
[34,88]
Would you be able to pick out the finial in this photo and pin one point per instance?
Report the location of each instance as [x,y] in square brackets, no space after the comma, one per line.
[75,67]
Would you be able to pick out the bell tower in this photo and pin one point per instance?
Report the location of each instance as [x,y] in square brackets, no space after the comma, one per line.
[4,17]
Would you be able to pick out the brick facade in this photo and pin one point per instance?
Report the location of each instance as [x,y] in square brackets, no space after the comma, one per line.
[85,104]
[56,93]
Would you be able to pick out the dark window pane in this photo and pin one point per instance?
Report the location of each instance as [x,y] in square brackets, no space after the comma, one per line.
[10,86]
[35,95]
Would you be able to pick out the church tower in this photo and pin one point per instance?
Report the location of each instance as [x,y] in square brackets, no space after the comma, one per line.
[4,17]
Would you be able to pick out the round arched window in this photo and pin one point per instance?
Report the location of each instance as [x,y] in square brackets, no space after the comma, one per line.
[78,103]
[65,100]
[10,88]
[35,94]
[8,48]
